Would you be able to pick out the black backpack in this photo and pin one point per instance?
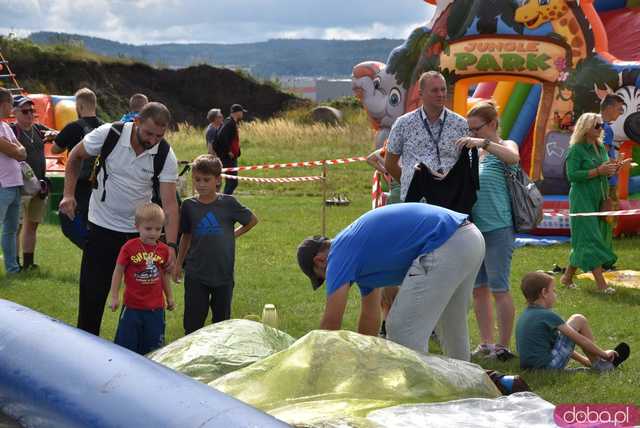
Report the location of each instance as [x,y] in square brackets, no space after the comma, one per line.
[86,167]
[110,143]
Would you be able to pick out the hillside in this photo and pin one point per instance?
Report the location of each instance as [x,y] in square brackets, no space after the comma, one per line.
[189,93]
[326,58]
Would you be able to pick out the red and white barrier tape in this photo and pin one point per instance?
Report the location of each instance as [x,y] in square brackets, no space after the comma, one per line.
[376,191]
[274,180]
[297,164]
[565,213]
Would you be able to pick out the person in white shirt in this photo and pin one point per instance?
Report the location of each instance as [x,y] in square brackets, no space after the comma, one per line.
[124,182]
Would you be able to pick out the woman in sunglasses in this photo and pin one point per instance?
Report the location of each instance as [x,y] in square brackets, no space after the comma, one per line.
[588,169]
[492,215]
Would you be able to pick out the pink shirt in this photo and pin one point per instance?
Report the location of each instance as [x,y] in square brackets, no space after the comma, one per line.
[10,173]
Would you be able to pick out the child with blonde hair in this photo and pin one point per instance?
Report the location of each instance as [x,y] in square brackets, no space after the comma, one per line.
[142,262]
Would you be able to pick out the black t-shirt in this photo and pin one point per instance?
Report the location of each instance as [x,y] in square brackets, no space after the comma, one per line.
[72,134]
[33,143]
[75,131]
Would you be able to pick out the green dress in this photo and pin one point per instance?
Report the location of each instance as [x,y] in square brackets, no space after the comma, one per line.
[590,236]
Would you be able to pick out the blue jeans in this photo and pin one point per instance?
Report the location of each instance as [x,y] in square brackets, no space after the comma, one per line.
[561,352]
[9,217]
[496,266]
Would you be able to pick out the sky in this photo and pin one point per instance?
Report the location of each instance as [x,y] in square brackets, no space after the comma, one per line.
[215,21]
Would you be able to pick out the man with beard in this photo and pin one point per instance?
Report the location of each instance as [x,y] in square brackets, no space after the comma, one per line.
[124,181]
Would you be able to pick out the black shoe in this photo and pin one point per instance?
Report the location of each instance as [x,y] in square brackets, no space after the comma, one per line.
[503,354]
[623,352]
[558,269]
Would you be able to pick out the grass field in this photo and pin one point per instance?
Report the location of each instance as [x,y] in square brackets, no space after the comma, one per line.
[266,270]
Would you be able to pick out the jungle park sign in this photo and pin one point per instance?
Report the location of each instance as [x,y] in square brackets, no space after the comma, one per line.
[535,57]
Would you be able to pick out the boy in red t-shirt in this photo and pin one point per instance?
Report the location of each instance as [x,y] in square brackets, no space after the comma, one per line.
[142,262]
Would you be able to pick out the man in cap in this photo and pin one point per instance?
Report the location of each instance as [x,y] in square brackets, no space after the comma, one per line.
[433,252]
[228,145]
[32,136]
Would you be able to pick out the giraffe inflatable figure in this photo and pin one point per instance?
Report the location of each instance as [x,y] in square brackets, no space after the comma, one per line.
[568,22]
[563,17]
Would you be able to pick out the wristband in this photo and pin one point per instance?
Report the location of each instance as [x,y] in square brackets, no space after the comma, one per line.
[486,143]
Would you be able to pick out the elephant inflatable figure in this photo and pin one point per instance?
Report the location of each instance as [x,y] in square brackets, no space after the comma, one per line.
[380,94]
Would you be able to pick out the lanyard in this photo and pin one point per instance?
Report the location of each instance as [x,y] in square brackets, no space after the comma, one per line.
[435,140]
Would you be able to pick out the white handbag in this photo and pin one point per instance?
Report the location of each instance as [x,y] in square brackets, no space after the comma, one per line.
[31,184]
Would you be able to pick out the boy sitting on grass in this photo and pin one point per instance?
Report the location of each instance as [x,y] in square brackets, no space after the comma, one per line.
[208,245]
[142,262]
[545,341]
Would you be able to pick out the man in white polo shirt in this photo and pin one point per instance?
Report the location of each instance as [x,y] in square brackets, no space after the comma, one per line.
[129,170]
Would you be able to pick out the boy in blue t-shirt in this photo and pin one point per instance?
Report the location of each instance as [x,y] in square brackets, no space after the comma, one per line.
[546,341]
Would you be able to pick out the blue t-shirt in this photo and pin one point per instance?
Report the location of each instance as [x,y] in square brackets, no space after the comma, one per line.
[129,116]
[378,248]
[611,148]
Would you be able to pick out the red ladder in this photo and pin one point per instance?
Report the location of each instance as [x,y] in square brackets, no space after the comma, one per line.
[6,75]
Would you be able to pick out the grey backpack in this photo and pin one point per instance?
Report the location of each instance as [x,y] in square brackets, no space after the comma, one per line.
[526,199]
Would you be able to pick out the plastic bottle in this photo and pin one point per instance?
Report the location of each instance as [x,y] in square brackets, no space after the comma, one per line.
[270,315]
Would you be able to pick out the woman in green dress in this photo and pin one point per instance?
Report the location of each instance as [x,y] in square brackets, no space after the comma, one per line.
[588,168]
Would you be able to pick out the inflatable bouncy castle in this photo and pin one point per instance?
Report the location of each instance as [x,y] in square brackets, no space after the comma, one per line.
[544,62]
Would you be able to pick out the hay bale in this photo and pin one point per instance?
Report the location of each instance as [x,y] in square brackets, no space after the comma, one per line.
[327,115]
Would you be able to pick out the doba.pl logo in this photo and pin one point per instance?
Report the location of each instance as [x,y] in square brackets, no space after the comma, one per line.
[596,415]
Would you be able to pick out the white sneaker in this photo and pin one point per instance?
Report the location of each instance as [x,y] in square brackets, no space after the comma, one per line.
[602,365]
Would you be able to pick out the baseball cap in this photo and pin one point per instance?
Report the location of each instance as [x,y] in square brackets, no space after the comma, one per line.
[20,100]
[307,250]
[236,108]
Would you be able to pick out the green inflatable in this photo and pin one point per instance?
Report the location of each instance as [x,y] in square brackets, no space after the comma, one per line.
[221,348]
[330,376]
[514,105]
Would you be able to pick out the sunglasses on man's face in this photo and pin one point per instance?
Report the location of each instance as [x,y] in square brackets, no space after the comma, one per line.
[28,111]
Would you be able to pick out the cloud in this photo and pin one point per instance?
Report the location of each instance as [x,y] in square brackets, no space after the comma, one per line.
[219,21]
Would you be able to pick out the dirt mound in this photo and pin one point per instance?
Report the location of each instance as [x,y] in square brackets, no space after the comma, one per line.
[189,93]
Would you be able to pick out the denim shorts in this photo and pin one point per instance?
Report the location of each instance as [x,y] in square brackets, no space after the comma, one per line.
[561,352]
[496,266]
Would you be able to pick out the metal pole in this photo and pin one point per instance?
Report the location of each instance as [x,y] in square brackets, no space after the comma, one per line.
[324,200]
